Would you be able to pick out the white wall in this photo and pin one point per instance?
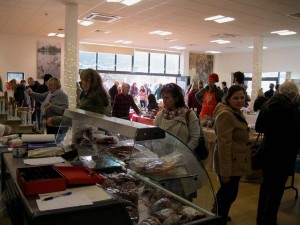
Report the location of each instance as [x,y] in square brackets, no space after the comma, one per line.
[280,60]
[19,54]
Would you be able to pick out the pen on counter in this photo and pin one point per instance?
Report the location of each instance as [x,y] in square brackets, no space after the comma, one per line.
[56,196]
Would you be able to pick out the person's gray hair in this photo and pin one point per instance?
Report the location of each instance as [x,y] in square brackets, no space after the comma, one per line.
[289,89]
[125,85]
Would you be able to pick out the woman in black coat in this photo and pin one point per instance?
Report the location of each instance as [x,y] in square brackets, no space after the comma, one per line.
[279,121]
[259,101]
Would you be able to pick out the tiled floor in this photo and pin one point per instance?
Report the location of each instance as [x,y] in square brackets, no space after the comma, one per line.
[243,210]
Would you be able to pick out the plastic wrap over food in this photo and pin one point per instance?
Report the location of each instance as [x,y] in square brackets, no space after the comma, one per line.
[44,152]
[156,165]
[89,136]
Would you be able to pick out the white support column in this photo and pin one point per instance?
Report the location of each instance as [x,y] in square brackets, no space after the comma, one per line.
[184,63]
[71,53]
[256,67]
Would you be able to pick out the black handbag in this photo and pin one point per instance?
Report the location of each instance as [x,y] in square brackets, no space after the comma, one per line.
[256,153]
[201,149]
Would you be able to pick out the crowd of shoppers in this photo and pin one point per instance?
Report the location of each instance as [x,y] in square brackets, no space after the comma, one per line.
[278,120]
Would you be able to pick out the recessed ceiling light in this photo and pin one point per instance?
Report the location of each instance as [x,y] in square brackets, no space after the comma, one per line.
[177,47]
[51,34]
[220,19]
[264,47]
[213,52]
[224,20]
[220,41]
[123,42]
[284,32]
[214,17]
[160,32]
[125,2]
[85,22]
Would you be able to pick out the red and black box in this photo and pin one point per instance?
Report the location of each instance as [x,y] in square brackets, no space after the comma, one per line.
[45,179]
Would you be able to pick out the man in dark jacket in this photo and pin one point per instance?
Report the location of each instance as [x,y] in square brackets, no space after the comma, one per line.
[34,86]
[279,121]
[113,91]
[270,92]
[41,89]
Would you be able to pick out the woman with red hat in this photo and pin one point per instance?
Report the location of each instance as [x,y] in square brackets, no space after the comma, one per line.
[209,96]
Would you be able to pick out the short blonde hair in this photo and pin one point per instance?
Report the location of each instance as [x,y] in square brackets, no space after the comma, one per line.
[56,82]
[195,86]
[289,89]
[260,93]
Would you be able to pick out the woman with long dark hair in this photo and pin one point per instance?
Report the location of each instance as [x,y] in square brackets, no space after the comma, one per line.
[173,117]
[95,98]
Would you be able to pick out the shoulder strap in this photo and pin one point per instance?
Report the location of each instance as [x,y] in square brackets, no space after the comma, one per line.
[187,117]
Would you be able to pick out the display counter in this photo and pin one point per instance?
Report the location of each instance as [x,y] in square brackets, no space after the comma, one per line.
[159,169]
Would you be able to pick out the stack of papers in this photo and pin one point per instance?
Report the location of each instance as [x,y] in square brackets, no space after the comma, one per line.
[80,196]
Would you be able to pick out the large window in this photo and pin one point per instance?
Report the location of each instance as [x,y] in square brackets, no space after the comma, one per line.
[141,62]
[172,64]
[157,63]
[266,79]
[87,60]
[124,63]
[106,61]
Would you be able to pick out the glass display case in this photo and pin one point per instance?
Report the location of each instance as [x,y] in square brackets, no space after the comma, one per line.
[159,164]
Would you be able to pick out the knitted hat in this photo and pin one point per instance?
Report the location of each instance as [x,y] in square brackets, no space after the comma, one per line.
[214,77]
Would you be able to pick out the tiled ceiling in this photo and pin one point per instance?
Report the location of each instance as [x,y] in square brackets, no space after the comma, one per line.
[184,18]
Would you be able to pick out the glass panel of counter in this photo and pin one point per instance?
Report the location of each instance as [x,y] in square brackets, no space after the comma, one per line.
[154,158]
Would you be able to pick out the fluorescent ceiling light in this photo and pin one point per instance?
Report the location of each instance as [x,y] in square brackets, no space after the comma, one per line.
[177,47]
[284,32]
[214,17]
[213,52]
[224,20]
[60,35]
[85,22]
[264,47]
[220,19]
[160,32]
[51,34]
[130,2]
[220,41]
[125,2]
[123,42]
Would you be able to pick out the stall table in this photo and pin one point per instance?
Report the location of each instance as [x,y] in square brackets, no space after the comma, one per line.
[210,138]
[141,119]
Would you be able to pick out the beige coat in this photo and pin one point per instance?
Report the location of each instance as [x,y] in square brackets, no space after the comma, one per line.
[188,134]
[232,153]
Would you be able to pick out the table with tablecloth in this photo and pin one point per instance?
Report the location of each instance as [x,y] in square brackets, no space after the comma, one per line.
[142,119]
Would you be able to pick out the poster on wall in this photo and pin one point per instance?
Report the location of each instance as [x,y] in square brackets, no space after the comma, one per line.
[200,66]
[49,59]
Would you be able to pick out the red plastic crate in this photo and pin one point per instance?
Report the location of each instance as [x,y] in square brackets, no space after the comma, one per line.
[45,179]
